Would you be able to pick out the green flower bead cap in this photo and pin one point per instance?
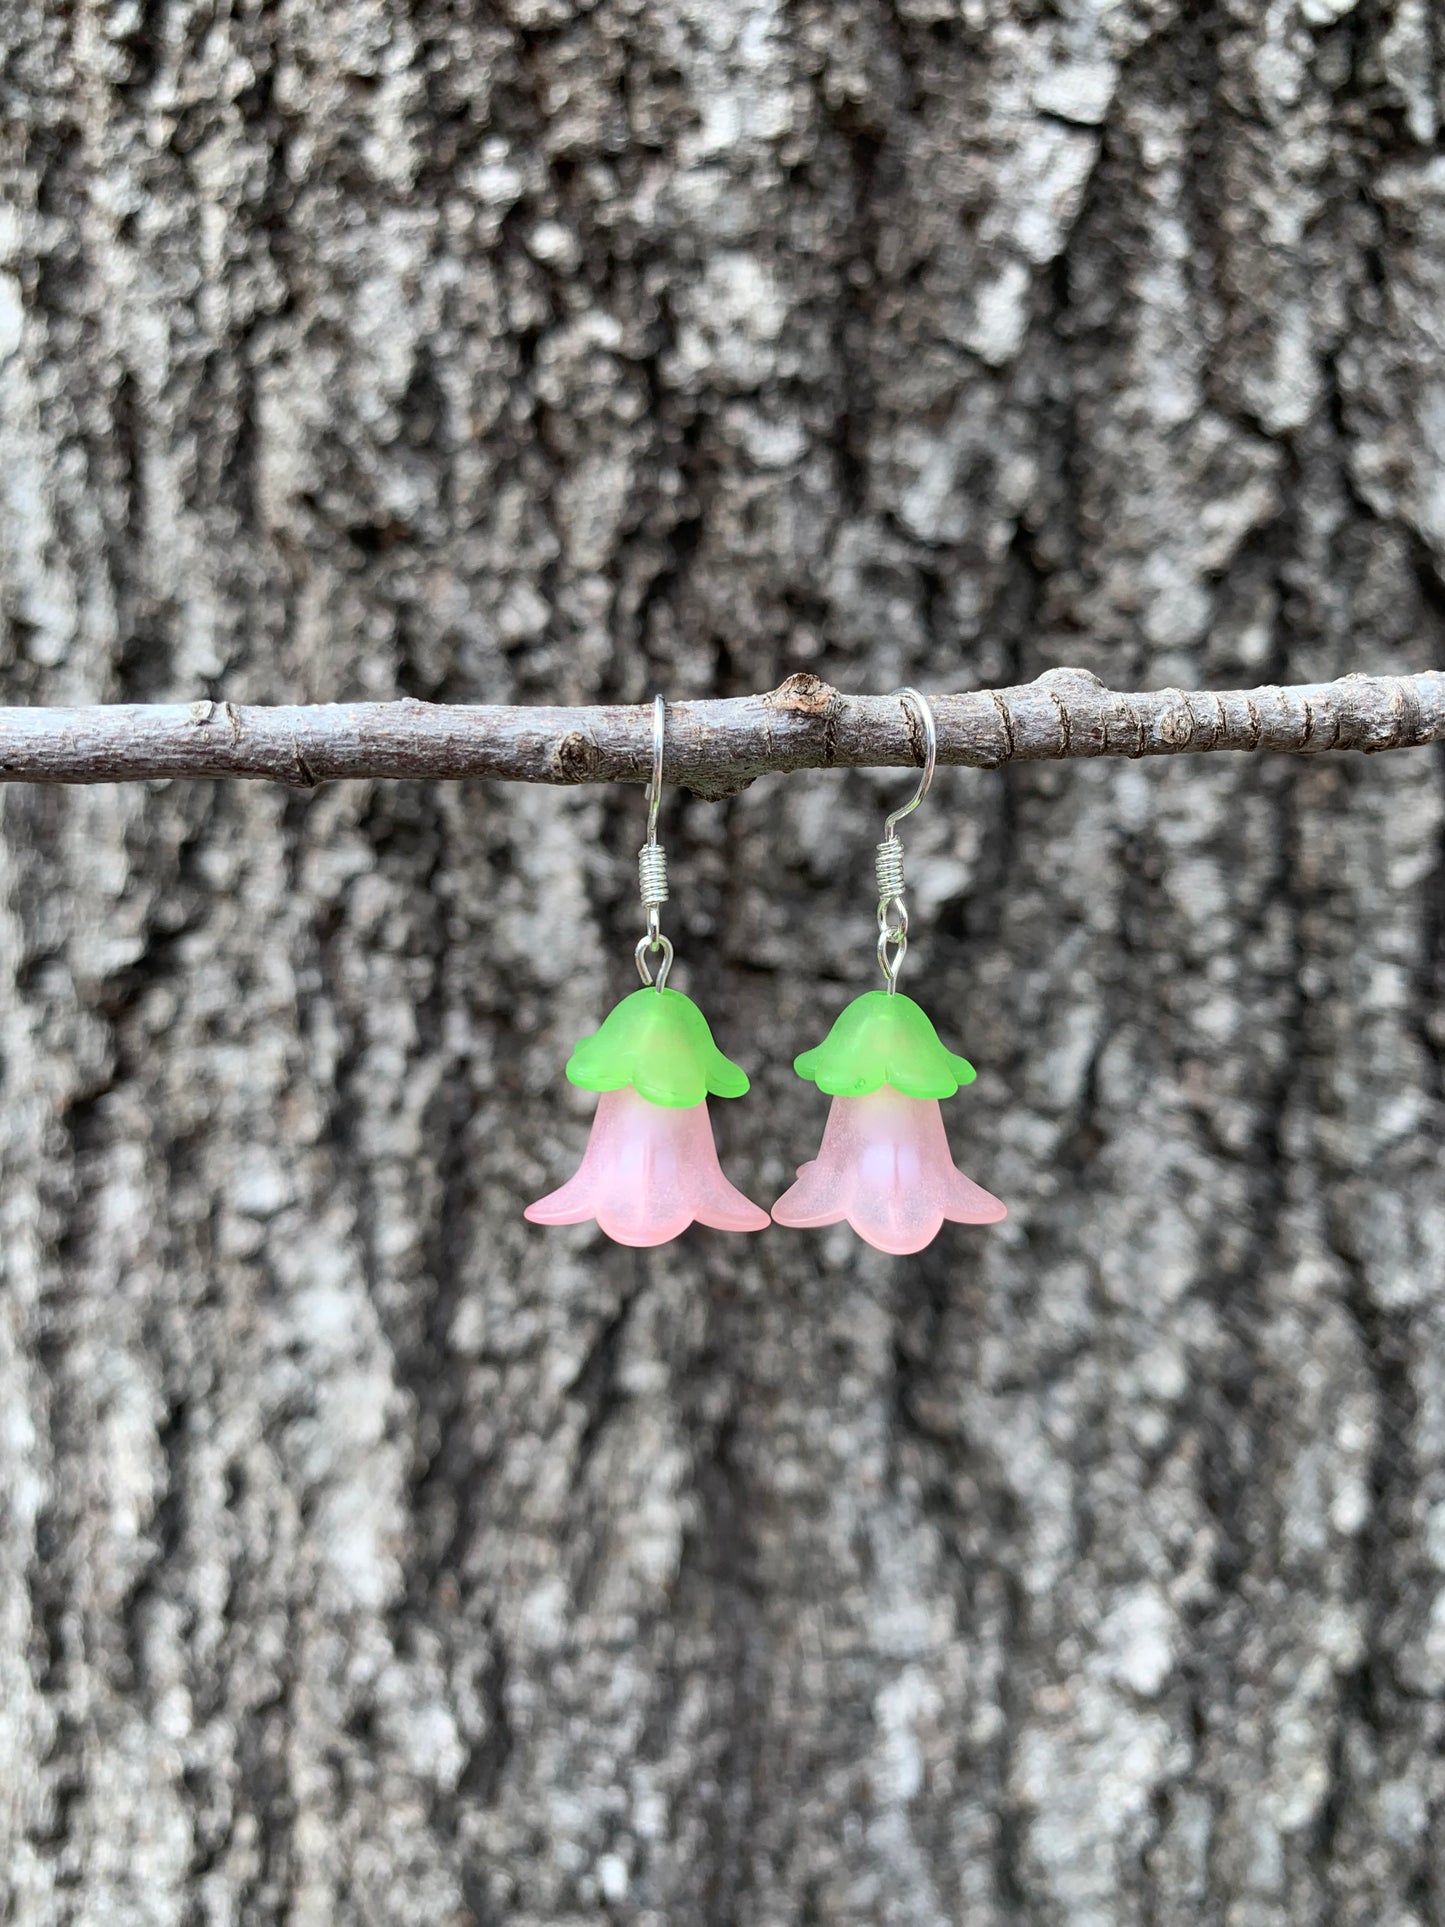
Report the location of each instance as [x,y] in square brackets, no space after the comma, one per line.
[882,1040]
[657,1041]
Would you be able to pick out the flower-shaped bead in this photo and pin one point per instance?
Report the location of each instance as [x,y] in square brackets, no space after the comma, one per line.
[884,1165]
[880,1039]
[651,1168]
[657,1041]
[648,1172]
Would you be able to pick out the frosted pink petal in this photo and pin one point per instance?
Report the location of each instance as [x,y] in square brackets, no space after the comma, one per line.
[570,1203]
[969,1203]
[716,1202]
[885,1166]
[648,1171]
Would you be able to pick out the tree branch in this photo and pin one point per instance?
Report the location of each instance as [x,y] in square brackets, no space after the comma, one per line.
[713,747]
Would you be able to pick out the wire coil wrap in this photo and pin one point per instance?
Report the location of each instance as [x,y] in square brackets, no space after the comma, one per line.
[652,875]
[888,865]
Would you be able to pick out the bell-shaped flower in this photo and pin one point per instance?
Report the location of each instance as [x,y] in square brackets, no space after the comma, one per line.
[648,1172]
[884,1164]
[651,1168]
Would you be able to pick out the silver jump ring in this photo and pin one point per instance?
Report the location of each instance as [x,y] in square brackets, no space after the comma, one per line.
[898,928]
[645,944]
[890,966]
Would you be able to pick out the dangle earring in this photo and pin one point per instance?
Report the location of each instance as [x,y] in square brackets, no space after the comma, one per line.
[884,1163]
[651,1167]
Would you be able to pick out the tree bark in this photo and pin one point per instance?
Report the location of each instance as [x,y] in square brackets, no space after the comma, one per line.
[367,1555]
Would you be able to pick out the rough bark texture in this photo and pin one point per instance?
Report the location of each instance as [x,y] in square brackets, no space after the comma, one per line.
[368,1556]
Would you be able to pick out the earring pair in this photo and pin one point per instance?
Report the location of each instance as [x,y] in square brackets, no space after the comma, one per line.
[651,1167]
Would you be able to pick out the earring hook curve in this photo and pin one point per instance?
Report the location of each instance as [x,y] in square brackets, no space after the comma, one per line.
[922,708]
[654,788]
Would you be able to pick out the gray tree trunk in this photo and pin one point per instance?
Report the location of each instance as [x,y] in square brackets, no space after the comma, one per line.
[369,1556]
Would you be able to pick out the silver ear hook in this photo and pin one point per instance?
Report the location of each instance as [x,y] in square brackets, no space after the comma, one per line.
[654,788]
[923,710]
[888,862]
[652,863]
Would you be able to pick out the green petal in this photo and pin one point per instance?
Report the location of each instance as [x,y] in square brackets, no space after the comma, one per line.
[657,1041]
[881,1040]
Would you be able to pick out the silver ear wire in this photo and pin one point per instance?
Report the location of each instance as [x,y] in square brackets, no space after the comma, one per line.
[888,859]
[652,863]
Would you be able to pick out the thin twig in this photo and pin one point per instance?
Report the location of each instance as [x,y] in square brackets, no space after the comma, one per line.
[714,747]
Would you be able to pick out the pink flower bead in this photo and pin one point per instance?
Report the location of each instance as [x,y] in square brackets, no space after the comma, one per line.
[884,1165]
[648,1171]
